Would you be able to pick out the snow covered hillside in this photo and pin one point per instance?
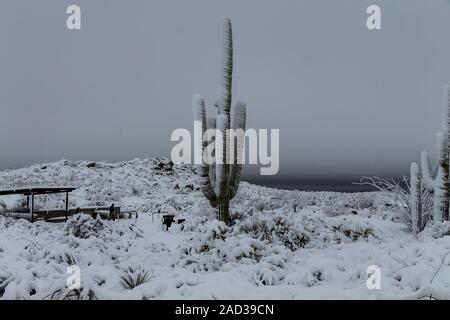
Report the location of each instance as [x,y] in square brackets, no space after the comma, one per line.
[282,244]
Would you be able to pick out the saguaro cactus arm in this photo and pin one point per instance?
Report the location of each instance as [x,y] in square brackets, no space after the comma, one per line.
[223,124]
[228,65]
[239,124]
[432,181]
[427,174]
[416,201]
[199,111]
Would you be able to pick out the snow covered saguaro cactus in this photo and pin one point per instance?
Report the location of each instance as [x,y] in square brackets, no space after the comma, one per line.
[416,195]
[220,178]
[439,183]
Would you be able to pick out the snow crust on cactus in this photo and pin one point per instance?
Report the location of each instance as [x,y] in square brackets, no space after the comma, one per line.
[220,180]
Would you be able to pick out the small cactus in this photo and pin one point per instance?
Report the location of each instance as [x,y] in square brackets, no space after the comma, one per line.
[220,179]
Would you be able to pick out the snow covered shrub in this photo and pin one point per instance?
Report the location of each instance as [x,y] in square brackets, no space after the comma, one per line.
[399,193]
[89,290]
[314,277]
[336,209]
[276,228]
[440,230]
[205,249]
[236,216]
[260,206]
[4,280]
[361,200]
[246,249]
[213,232]
[134,276]
[83,226]
[342,204]
[258,228]
[80,294]
[134,191]
[353,230]
[267,274]
[192,224]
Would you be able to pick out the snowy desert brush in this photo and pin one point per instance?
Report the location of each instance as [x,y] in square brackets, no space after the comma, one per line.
[134,276]
[4,280]
[405,198]
[276,229]
[220,180]
[205,249]
[83,226]
[266,274]
[440,230]
[354,231]
[80,294]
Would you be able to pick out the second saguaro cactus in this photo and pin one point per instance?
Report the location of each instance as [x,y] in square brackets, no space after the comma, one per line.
[220,179]
[439,183]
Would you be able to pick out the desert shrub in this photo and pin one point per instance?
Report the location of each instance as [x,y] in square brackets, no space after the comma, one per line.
[260,206]
[80,294]
[314,277]
[134,191]
[440,229]
[64,293]
[4,280]
[134,276]
[276,228]
[257,228]
[211,233]
[362,200]
[400,195]
[192,224]
[204,249]
[353,230]
[83,226]
[246,248]
[266,274]
[236,216]
[336,209]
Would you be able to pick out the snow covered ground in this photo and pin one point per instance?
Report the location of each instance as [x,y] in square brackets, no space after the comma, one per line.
[320,250]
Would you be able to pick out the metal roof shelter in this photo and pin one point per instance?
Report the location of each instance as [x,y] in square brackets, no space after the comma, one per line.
[39,190]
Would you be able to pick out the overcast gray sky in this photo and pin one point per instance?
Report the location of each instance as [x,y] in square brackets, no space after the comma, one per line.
[348,101]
